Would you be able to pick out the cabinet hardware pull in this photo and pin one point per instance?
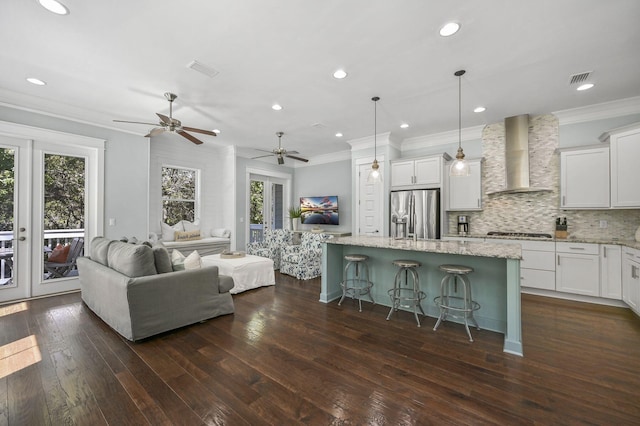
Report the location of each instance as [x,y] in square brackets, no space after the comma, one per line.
[564,201]
[605,252]
[558,260]
[576,248]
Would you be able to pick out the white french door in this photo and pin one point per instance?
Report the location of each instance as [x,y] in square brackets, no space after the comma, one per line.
[269,196]
[56,196]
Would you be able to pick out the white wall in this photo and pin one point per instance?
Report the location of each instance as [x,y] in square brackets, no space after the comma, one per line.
[126,169]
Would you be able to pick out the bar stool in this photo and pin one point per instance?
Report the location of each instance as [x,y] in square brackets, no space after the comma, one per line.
[462,307]
[407,296]
[358,284]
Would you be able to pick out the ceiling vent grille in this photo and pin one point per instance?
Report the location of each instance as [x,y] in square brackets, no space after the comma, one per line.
[578,79]
[202,68]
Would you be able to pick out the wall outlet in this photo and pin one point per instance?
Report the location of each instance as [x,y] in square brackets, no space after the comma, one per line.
[112,221]
[604,224]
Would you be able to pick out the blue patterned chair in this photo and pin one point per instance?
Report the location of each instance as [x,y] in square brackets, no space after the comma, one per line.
[303,261]
[271,244]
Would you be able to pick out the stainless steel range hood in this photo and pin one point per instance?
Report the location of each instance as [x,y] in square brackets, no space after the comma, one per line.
[517,156]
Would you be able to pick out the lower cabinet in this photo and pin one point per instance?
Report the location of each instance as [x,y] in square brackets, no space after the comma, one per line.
[578,268]
[538,266]
[631,278]
[611,271]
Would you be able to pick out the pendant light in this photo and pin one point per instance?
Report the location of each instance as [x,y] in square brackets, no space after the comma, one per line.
[374,175]
[459,167]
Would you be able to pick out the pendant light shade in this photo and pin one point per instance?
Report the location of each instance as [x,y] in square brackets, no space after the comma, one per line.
[374,175]
[459,167]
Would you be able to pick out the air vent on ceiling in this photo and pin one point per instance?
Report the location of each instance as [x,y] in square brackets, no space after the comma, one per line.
[578,79]
[318,125]
[202,68]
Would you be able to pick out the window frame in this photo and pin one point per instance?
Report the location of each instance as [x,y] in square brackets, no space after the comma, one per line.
[197,192]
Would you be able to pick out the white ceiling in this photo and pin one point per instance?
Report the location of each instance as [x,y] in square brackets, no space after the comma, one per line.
[115,59]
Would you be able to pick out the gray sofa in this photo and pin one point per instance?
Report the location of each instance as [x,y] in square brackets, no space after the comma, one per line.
[135,291]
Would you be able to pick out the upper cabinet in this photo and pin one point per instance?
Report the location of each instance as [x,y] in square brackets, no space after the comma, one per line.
[465,192]
[584,178]
[625,173]
[417,172]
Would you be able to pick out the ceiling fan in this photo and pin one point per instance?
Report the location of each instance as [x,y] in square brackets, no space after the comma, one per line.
[280,152]
[170,124]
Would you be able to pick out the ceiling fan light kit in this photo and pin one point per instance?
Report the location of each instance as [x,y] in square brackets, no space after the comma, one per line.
[280,152]
[172,125]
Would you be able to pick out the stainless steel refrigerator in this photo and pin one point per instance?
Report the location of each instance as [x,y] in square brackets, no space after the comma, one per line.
[415,212]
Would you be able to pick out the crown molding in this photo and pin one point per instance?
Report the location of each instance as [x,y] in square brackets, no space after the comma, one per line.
[382,139]
[443,138]
[618,108]
[326,158]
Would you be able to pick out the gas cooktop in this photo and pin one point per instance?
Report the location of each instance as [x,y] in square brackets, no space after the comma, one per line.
[518,234]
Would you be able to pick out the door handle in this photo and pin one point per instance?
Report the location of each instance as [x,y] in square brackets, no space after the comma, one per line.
[19,239]
[23,229]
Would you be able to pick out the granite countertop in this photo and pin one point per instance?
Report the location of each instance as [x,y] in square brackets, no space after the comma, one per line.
[627,243]
[481,249]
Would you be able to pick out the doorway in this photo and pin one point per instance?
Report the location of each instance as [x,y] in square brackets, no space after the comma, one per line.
[50,203]
[268,200]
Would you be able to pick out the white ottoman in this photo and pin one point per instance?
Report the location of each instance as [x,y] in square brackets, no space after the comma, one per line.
[247,272]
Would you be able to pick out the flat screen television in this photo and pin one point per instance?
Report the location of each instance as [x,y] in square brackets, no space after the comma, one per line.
[319,210]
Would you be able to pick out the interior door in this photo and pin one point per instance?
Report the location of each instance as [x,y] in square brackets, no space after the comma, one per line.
[369,205]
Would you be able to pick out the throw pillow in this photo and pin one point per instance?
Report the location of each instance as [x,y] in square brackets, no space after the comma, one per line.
[177,260]
[59,254]
[192,261]
[168,232]
[221,233]
[188,226]
[187,235]
[162,258]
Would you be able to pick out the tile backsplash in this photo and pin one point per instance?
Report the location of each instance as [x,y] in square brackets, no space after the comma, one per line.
[537,211]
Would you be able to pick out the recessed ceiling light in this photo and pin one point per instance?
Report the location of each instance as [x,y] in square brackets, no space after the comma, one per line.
[585,86]
[479,109]
[404,125]
[216,131]
[36,81]
[449,29]
[338,135]
[276,107]
[340,74]
[54,6]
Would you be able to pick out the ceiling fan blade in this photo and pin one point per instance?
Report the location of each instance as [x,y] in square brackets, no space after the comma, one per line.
[264,150]
[190,137]
[135,122]
[293,152]
[262,156]
[204,132]
[297,158]
[164,118]
[155,132]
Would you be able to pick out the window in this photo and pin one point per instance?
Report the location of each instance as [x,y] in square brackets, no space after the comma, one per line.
[179,194]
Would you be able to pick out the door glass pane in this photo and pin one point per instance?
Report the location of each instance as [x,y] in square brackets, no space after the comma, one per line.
[7,202]
[256,210]
[64,214]
[277,206]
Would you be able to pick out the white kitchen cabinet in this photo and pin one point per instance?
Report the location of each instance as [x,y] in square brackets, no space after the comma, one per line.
[584,178]
[610,271]
[631,278]
[465,192]
[422,172]
[625,173]
[538,264]
[578,268]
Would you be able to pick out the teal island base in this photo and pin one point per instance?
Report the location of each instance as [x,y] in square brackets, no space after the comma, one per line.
[495,280]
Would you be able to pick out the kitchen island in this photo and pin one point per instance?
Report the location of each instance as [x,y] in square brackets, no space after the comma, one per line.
[495,280]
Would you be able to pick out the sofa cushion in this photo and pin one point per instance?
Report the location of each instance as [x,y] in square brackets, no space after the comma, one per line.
[131,260]
[59,254]
[162,258]
[191,226]
[99,250]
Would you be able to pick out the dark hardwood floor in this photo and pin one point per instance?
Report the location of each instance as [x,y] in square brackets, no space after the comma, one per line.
[284,358]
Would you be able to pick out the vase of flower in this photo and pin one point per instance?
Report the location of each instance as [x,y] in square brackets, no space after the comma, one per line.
[295,213]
